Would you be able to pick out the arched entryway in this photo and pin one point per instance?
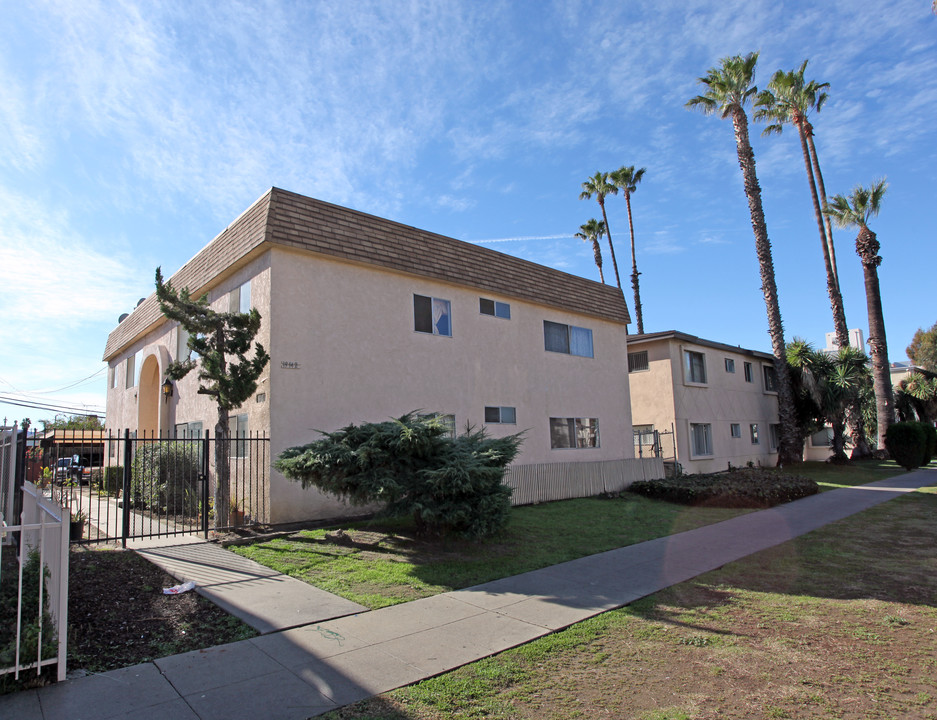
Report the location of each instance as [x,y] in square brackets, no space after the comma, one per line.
[148,393]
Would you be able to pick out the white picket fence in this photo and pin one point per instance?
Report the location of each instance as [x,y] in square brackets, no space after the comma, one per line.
[43,529]
[563,481]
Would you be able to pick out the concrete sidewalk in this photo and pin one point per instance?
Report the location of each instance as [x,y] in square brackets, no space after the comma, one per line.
[311,669]
[265,599]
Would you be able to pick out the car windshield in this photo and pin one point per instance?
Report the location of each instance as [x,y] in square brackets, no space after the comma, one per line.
[64,462]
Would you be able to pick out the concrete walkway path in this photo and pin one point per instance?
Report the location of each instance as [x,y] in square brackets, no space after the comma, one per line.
[265,599]
[311,669]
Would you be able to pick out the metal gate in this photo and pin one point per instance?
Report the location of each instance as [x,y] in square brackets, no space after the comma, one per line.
[658,443]
[120,486]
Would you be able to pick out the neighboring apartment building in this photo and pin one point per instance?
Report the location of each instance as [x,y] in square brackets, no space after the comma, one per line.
[366,319]
[719,400]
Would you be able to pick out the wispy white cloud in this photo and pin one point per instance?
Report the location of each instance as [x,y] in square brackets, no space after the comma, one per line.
[459,204]
[524,238]
[51,275]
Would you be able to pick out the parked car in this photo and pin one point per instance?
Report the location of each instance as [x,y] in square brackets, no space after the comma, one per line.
[74,468]
[63,469]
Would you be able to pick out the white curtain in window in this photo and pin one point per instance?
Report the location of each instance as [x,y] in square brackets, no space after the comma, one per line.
[441,317]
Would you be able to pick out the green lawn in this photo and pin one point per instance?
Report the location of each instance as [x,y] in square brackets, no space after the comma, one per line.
[384,563]
[839,623]
[831,477]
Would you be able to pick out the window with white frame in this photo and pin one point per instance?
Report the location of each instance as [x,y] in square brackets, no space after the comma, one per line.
[694,367]
[701,439]
[495,308]
[188,431]
[637,361]
[735,430]
[730,365]
[237,431]
[132,369]
[643,435]
[774,437]
[748,372]
[137,366]
[822,438]
[112,377]
[447,421]
[500,414]
[753,429]
[574,433]
[239,300]
[771,378]
[432,315]
[567,339]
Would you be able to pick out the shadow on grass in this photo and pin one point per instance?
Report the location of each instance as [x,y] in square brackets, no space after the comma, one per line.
[885,553]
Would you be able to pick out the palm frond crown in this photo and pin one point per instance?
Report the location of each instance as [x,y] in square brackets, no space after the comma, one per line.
[626,178]
[728,86]
[599,186]
[788,99]
[856,209]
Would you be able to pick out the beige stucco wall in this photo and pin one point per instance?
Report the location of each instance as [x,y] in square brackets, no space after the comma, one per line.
[662,396]
[345,351]
[652,399]
[160,347]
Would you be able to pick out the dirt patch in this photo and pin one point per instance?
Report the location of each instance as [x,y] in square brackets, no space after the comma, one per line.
[119,616]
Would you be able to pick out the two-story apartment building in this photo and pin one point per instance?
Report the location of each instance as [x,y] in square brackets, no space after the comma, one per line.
[367,319]
[720,401]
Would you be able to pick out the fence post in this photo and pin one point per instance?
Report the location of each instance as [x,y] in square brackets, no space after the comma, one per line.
[203,477]
[125,490]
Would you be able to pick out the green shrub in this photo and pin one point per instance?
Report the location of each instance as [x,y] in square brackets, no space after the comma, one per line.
[930,434]
[164,476]
[906,442]
[109,480]
[740,488]
[411,465]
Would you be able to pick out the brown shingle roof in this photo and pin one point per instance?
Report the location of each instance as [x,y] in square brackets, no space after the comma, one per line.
[284,218]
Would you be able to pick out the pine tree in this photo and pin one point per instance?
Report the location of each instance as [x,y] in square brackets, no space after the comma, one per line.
[221,341]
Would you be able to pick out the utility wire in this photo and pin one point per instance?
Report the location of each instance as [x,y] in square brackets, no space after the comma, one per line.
[77,382]
[85,410]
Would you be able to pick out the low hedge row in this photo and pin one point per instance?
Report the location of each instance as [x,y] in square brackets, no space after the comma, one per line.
[742,488]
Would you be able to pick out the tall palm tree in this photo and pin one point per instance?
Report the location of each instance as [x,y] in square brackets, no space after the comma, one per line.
[626,179]
[591,232]
[855,211]
[788,99]
[728,89]
[599,186]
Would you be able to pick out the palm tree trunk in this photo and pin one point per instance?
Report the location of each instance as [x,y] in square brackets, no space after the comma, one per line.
[827,223]
[790,450]
[867,247]
[610,246]
[838,423]
[634,270]
[832,287]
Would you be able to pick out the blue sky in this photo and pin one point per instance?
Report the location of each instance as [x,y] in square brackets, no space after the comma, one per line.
[132,133]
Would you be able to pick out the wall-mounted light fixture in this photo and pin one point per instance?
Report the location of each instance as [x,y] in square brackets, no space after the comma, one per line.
[167,390]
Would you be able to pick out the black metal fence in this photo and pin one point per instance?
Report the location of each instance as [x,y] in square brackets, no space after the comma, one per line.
[118,486]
